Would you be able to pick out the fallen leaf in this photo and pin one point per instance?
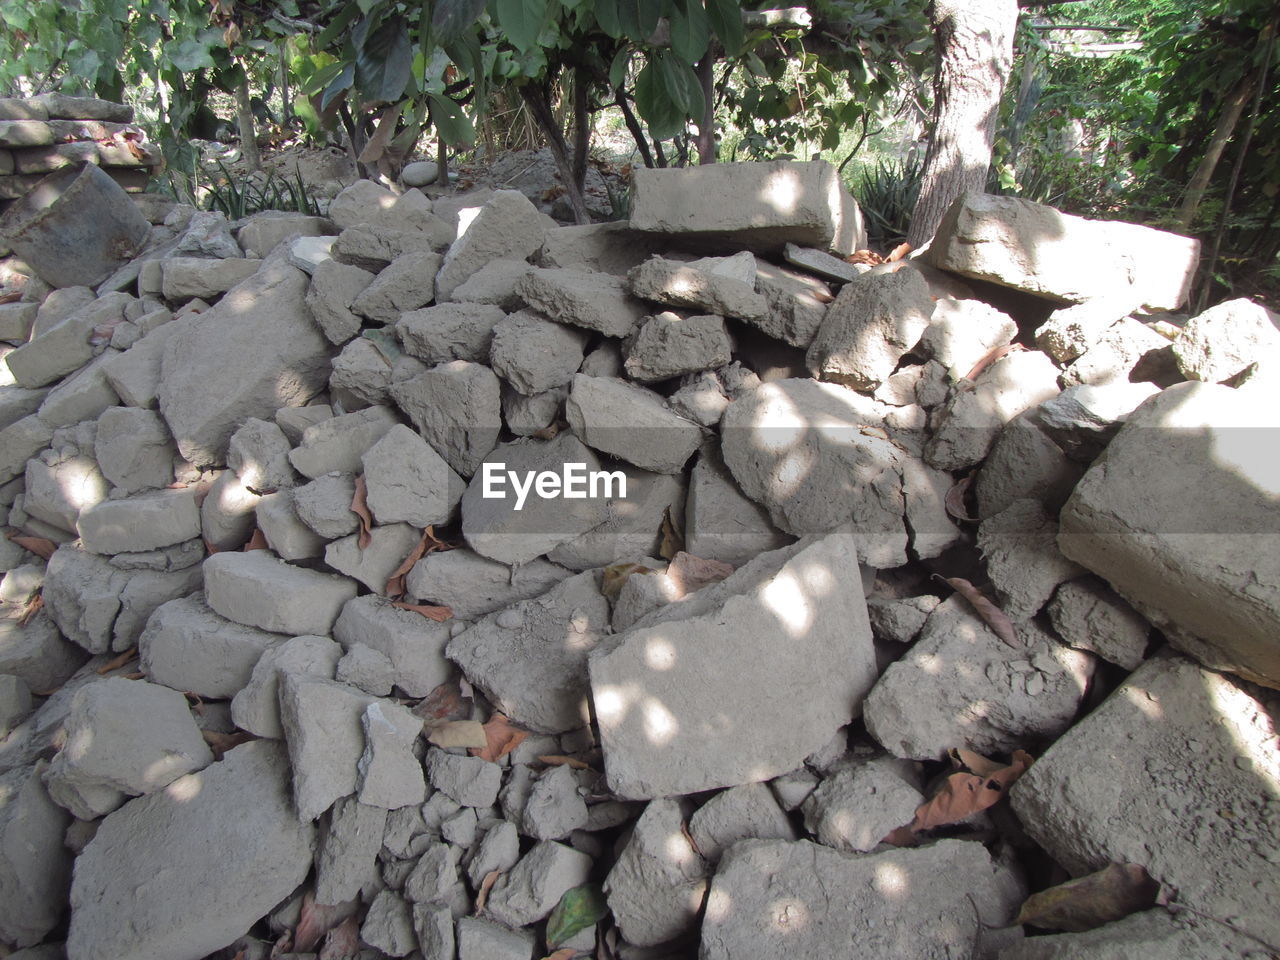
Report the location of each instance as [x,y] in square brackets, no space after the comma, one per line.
[459,733]
[615,575]
[115,663]
[690,573]
[441,705]
[342,942]
[315,921]
[990,357]
[869,257]
[257,542]
[220,743]
[395,587]
[578,909]
[482,895]
[41,547]
[954,499]
[564,953]
[558,760]
[974,763]
[548,432]
[11,297]
[902,837]
[360,507]
[503,737]
[30,609]
[672,537]
[1110,894]
[438,614]
[898,252]
[136,675]
[993,616]
[965,794]
[688,837]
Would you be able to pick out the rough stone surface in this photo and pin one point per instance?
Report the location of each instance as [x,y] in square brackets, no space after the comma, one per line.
[470,781]
[674,283]
[406,480]
[747,812]
[960,685]
[390,775]
[1020,548]
[1089,615]
[797,304]
[495,284]
[507,227]
[259,454]
[369,669]
[1221,342]
[324,505]
[134,449]
[554,808]
[530,890]
[1151,933]
[449,331]
[65,346]
[286,534]
[1207,747]
[34,866]
[861,803]
[142,522]
[472,586]
[321,721]
[631,423]
[1129,350]
[1209,577]
[336,445]
[534,354]
[130,902]
[961,332]
[1082,419]
[255,351]
[605,247]
[185,278]
[773,900]
[374,563]
[20,441]
[186,646]
[406,284]
[256,707]
[596,301]
[721,522]
[673,721]
[481,939]
[413,644]
[388,925]
[457,407]
[260,590]
[333,289]
[37,652]
[1025,463]
[530,659]
[668,345]
[58,492]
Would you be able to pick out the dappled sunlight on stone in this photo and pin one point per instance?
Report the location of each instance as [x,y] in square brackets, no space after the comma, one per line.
[660,654]
[659,724]
[788,915]
[891,881]
[787,600]
[185,789]
[782,191]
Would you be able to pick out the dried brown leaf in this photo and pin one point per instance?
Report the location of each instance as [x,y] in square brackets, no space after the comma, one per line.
[974,763]
[115,663]
[672,537]
[360,507]
[482,895]
[898,252]
[991,356]
[690,573]
[564,953]
[438,614]
[30,609]
[395,587]
[13,297]
[1110,894]
[549,432]
[220,743]
[954,499]
[503,737]
[342,942]
[38,545]
[869,257]
[559,760]
[441,705]
[315,921]
[257,542]
[965,794]
[992,615]
[377,144]
[693,844]
[616,575]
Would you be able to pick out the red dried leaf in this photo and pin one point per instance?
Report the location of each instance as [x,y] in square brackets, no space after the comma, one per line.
[954,500]
[38,545]
[482,895]
[315,921]
[504,736]
[257,542]
[220,743]
[395,587]
[558,760]
[438,614]
[342,942]
[115,663]
[32,607]
[869,257]
[360,507]
[898,252]
[690,573]
[441,705]
[992,615]
[1085,903]
[965,794]
[990,357]
[11,297]
[971,762]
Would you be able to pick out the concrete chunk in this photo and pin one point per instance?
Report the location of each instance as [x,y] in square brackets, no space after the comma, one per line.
[721,522]
[413,644]
[142,522]
[739,813]
[668,345]
[631,423]
[449,331]
[134,449]
[470,781]
[472,586]
[286,534]
[333,289]
[324,505]
[534,354]
[350,839]
[674,283]
[1089,615]
[596,301]
[374,563]
[481,939]
[634,524]
[256,707]
[406,284]
[1221,342]
[321,721]
[861,803]
[260,590]
[457,407]
[20,441]
[507,227]
[185,278]
[37,653]
[390,775]
[408,481]
[530,890]
[34,866]
[65,346]
[1019,546]
[336,445]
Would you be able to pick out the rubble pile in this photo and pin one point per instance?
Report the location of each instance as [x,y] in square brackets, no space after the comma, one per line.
[432,580]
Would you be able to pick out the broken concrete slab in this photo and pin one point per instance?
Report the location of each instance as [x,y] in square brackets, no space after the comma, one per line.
[346,862]
[368,669]
[336,445]
[1020,549]
[823,264]
[37,653]
[1221,342]
[530,890]
[1208,577]
[481,939]
[457,407]
[1129,350]
[721,522]
[535,354]
[942,900]
[260,590]
[65,346]
[259,454]
[20,441]
[755,206]
[135,374]
[388,925]
[185,278]
[555,807]
[633,524]
[668,345]
[286,534]
[674,283]
[1082,419]
[449,331]
[127,901]
[672,722]
[960,685]
[631,423]
[469,781]
[507,227]
[414,645]
[256,707]
[81,396]
[321,722]
[263,231]
[862,802]
[406,480]
[1152,933]
[188,647]
[34,866]
[1207,747]
[1025,463]
[747,812]
[324,505]
[257,350]
[1089,615]
[375,562]
[530,659]
[407,283]
[145,521]
[595,301]
[603,247]
[471,585]
[334,287]
[134,449]
[390,775]
[962,332]
[59,489]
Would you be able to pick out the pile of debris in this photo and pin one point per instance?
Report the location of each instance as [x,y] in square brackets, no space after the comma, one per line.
[438,581]
[41,134]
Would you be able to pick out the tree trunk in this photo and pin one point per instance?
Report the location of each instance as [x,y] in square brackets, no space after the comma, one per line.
[581,129]
[706,142]
[1227,120]
[536,96]
[975,55]
[244,119]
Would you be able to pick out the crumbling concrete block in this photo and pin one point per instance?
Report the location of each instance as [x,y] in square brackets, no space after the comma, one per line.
[1129,350]
[59,489]
[406,480]
[1019,546]
[962,332]
[286,534]
[530,890]
[134,449]
[534,354]
[457,407]
[388,925]
[350,838]
[634,523]
[554,808]
[1082,419]
[861,803]
[507,227]
[721,522]
[630,422]
[259,454]
[321,721]
[668,345]
[1025,463]
[336,445]
[34,866]
[263,231]
[1221,342]
[188,647]
[390,775]
[603,247]
[334,287]
[324,505]
[494,284]
[374,563]
[135,374]
[674,283]
[470,781]
[414,645]
[65,346]
[471,585]
[406,284]
[37,653]
[1089,615]
[260,590]
[595,301]
[82,396]
[185,278]
[20,441]
[449,331]
[747,812]
[256,707]
[142,522]
[481,939]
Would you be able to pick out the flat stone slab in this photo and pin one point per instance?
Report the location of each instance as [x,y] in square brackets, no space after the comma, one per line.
[674,720]
[596,301]
[134,897]
[1177,771]
[261,590]
[631,423]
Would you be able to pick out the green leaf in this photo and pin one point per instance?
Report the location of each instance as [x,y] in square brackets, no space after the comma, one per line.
[618,69]
[384,59]
[521,21]
[337,26]
[654,102]
[725,17]
[607,18]
[682,85]
[690,30]
[189,56]
[452,18]
[578,909]
[454,126]
[339,84]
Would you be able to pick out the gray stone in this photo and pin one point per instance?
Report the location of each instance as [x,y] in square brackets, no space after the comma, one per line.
[797,304]
[256,707]
[361,202]
[449,331]
[772,900]
[374,248]
[554,808]
[435,877]
[530,416]
[206,234]
[17,402]
[816,456]
[721,522]
[134,449]
[530,890]
[471,585]
[861,803]
[899,620]
[1207,747]
[260,590]
[58,492]
[135,373]
[16,320]
[739,813]
[1082,419]
[530,659]
[368,669]
[757,206]
[595,301]
[263,231]
[494,283]
[1151,933]
[1019,546]
[227,513]
[630,422]
[1025,463]
[34,866]
[408,481]
[336,445]
[1221,342]
[322,727]
[470,781]
[295,420]
[1208,577]
[324,505]
[460,828]
[127,901]
[288,536]
[361,376]
[674,283]
[1129,351]
[188,647]
[514,529]
[16,704]
[1033,247]
[390,775]
[20,441]
[419,173]
[656,888]
[124,738]
[821,263]
[633,526]
[37,653]
[388,925]
[603,247]
[185,278]
[333,289]
[433,924]
[534,354]
[407,283]
[962,332]
[259,454]
[57,306]
[969,424]
[145,521]
[507,227]
[701,398]
[374,563]
[668,345]
[1089,615]
[499,850]
[673,721]
[66,345]
[256,351]
[457,407]
[414,645]
[960,685]
[1071,331]
[81,396]
[480,939]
